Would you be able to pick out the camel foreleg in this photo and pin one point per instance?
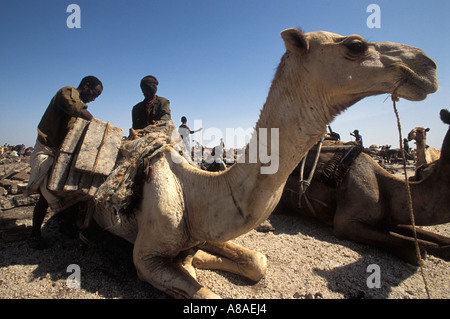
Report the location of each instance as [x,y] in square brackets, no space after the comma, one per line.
[401,246]
[233,258]
[169,276]
[185,259]
[433,243]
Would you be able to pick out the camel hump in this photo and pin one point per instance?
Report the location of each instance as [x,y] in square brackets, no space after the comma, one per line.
[445,116]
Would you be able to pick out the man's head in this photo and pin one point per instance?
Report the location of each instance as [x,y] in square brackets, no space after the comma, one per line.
[90,88]
[149,86]
[183,119]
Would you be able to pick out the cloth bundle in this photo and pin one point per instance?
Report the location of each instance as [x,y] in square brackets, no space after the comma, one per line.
[124,185]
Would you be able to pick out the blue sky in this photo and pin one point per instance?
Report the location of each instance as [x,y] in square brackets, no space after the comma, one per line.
[214,59]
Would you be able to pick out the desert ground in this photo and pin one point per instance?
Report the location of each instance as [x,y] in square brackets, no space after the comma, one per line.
[305,261]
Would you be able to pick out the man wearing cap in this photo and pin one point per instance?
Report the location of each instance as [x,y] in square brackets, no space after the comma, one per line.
[153,109]
[358,137]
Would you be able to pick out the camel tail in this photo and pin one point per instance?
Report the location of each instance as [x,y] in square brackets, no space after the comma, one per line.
[445,116]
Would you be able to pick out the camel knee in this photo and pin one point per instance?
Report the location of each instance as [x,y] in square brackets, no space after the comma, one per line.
[144,267]
[170,277]
[249,263]
[153,269]
[186,261]
[254,268]
[253,265]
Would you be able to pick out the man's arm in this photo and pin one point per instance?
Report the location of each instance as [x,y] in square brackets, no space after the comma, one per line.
[68,101]
[165,110]
[85,114]
[136,122]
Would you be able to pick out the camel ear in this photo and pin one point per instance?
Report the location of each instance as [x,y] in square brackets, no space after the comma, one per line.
[295,41]
[445,116]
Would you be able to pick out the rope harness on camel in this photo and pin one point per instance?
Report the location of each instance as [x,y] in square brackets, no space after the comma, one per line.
[304,184]
[408,196]
[330,173]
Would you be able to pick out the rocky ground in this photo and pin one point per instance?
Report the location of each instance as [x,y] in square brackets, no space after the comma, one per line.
[305,262]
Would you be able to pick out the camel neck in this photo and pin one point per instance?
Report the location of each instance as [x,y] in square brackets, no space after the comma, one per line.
[433,190]
[279,142]
[421,149]
[288,135]
[444,160]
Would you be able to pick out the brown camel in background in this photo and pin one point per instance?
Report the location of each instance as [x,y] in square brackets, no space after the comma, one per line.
[370,205]
[425,154]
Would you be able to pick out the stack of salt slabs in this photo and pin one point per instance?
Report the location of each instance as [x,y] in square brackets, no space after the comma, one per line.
[87,156]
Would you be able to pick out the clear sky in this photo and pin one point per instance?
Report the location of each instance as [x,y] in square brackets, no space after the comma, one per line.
[215,60]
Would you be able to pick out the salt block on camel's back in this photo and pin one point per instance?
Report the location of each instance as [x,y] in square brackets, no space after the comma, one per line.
[99,149]
[87,155]
[70,145]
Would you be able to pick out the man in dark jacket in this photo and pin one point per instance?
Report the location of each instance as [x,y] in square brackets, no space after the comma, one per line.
[153,109]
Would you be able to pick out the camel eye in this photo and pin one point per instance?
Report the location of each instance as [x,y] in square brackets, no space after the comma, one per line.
[357,47]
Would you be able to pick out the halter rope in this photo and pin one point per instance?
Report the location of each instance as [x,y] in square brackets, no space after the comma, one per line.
[408,193]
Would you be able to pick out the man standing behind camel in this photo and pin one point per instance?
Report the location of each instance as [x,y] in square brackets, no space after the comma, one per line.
[153,109]
[66,106]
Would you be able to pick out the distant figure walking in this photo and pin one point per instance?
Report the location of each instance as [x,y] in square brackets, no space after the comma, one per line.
[184,131]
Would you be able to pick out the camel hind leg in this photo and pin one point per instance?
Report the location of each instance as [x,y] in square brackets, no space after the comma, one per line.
[232,258]
[401,246]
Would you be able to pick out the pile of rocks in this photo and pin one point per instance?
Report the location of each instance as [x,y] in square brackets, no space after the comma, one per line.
[14,176]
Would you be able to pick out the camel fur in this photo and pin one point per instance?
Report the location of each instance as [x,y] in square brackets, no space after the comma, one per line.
[182,207]
[370,205]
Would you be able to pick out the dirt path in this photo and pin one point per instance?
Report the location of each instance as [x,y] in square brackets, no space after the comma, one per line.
[305,261]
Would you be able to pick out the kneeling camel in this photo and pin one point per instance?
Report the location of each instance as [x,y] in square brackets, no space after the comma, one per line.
[320,75]
[370,205]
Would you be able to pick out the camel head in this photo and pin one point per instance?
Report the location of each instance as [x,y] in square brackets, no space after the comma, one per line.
[418,134]
[344,69]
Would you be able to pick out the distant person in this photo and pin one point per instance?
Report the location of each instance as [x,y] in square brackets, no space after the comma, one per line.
[66,106]
[407,149]
[184,131]
[153,109]
[358,137]
[218,150]
[406,146]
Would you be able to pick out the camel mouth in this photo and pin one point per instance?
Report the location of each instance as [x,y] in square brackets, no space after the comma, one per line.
[410,137]
[414,86]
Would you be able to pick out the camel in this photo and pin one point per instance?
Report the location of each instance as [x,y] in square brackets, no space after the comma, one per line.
[369,205]
[182,208]
[425,154]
